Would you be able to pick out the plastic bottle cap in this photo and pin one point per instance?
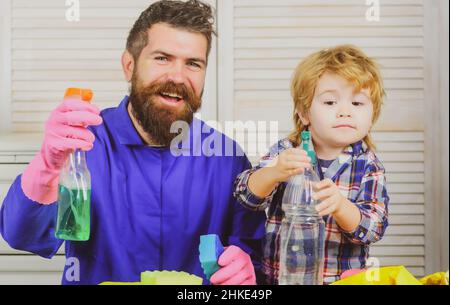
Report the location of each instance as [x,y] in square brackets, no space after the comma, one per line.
[306,135]
[85,94]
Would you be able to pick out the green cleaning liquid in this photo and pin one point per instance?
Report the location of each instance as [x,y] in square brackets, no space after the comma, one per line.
[73,221]
[73,214]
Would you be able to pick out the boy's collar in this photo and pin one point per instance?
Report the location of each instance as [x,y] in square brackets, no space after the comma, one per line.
[352,151]
[344,159]
[355,148]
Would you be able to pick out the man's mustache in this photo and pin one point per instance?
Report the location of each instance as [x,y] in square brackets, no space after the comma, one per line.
[188,95]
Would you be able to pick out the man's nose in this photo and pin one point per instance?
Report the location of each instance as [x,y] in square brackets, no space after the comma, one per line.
[176,73]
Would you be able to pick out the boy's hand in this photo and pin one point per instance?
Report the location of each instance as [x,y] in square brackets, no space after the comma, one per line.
[290,162]
[332,199]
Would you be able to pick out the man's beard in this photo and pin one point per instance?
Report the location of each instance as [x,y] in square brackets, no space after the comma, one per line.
[156,118]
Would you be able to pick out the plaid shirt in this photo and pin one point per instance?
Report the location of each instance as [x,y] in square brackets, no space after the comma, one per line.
[360,177]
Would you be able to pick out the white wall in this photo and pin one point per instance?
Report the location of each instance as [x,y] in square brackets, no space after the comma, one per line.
[444,126]
[48,53]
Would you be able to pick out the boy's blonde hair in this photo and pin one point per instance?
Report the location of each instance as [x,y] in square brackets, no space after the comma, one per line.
[347,61]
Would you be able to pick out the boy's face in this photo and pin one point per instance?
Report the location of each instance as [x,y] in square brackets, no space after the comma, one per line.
[339,116]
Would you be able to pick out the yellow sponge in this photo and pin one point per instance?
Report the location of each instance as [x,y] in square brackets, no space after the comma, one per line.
[121,283]
[169,278]
[163,278]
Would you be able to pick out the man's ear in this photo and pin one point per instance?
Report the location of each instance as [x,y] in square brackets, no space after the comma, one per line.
[303,118]
[127,65]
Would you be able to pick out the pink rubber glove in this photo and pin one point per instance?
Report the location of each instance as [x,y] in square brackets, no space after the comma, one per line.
[351,272]
[65,131]
[236,268]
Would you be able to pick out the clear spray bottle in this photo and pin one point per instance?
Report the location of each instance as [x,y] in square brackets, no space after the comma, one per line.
[302,229]
[74,190]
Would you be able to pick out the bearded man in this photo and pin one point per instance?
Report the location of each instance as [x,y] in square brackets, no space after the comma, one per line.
[149,205]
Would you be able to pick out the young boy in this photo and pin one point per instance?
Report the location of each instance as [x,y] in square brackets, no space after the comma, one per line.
[337,96]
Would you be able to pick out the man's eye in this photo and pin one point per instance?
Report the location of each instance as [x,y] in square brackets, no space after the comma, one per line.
[161,58]
[195,65]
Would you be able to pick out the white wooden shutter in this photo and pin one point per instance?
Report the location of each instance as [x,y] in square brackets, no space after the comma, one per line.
[270,37]
[50,54]
[19,267]
[402,154]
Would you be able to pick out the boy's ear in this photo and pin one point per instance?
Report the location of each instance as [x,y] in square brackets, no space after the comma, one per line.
[303,118]
[127,65]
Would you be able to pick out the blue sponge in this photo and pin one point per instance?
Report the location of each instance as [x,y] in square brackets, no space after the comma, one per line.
[210,249]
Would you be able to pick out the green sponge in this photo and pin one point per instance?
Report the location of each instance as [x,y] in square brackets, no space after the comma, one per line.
[210,249]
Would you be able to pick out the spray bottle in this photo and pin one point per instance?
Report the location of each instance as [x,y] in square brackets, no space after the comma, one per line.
[302,229]
[74,190]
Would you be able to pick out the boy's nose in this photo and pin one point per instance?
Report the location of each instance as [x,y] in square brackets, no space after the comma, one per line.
[344,110]
[344,115]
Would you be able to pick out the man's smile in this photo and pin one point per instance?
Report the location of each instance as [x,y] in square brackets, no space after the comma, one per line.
[171,99]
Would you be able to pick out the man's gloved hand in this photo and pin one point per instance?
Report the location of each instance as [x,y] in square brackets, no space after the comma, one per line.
[65,131]
[236,268]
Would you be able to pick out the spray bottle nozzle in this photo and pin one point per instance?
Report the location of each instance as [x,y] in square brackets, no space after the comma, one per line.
[307,146]
[306,135]
[84,94]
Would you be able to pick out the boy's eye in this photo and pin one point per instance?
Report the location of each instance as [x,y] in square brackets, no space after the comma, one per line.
[358,103]
[330,103]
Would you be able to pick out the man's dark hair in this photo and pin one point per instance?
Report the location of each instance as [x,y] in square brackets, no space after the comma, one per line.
[193,16]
